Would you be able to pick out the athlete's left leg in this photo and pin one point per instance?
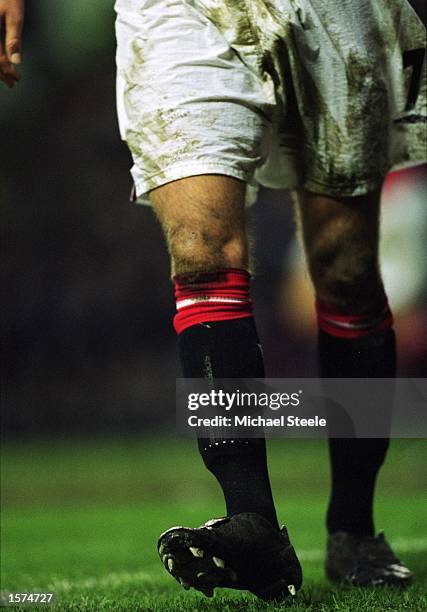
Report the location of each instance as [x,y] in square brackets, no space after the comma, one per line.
[204,223]
[203,218]
[356,338]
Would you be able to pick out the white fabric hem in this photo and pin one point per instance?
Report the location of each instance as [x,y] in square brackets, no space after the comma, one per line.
[187,169]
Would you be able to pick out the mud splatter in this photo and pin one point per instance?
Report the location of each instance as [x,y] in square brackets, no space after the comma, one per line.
[343,128]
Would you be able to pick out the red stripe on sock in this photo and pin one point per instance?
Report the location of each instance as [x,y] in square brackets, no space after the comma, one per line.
[332,320]
[215,296]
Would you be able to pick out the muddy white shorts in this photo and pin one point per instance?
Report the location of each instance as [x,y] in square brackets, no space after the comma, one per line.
[325,95]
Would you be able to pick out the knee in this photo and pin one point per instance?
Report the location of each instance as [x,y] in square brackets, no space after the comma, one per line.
[199,249]
[345,272]
[204,222]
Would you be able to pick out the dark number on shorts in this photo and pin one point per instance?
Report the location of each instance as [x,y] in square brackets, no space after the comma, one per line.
[414,58]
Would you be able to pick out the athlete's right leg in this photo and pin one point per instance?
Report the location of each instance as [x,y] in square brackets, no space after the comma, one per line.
[203,219]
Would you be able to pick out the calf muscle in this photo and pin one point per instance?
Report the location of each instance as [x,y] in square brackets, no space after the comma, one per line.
[340,240]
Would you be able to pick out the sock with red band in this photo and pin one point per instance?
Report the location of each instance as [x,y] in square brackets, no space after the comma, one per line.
[223,295]
[352,346]
[339,324]
[217,338]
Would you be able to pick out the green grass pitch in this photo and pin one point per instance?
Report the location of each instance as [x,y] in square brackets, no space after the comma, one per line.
[81,519]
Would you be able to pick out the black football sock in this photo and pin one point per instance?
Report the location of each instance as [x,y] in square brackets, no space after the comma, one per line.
[355,462]
[231,349]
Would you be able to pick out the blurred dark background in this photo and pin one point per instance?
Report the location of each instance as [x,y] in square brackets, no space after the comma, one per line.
[88,343]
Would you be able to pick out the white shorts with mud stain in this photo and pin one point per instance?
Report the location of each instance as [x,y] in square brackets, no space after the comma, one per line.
[325,95]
